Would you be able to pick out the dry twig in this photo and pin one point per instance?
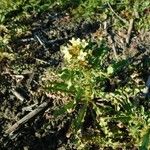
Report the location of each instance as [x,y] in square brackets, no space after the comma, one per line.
[111,41]
[38,38]
[26,118]
[18,95]
[115,51]
[129,31]
[123,20]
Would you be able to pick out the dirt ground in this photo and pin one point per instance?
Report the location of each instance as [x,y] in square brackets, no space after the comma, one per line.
[37,50]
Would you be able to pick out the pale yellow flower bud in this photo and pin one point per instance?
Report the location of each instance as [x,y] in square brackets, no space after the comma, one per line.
[75,42]
[82,56]
[67,55]
[84,43]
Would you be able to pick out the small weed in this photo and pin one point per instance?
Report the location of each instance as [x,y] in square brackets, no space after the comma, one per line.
[83,77]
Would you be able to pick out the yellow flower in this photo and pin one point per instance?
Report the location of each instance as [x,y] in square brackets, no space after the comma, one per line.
[67,55]
[84,43]
[75,42]
[82,56]
[78,42]
[74,50]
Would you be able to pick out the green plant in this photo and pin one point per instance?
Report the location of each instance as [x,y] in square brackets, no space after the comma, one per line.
[121,11]
[11,9]
[84,78]
[4,40]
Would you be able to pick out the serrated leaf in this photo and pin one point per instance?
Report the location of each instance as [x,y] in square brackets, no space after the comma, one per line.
[60,86]
[77,123]
[79,93]
[97,110]
[146,141]
[65,74]
[122,64]
[64,109]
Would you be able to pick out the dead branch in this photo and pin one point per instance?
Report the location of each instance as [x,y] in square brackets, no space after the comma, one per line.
[112,42]
[129,31]
[115,51]
[123,20]
[18,95]
[26,118]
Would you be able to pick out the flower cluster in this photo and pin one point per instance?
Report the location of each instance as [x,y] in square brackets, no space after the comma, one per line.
[75,50]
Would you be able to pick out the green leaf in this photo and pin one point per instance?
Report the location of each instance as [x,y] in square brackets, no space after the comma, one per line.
[79,93]
[60,86]
[64,109]
[98,54]
[97,110]
[66,74]
[146,141]
[77,123]
[120,65]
